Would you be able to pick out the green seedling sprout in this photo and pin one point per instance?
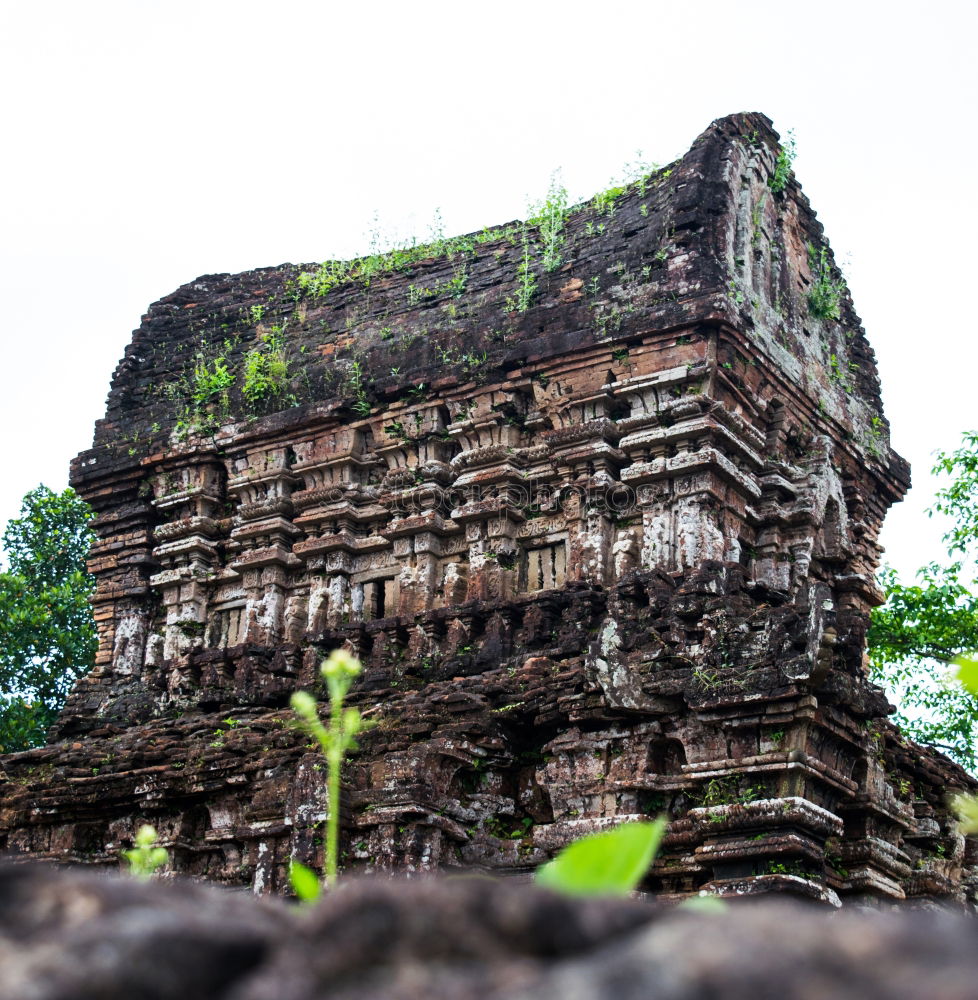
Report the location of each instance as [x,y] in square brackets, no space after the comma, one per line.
[340,669]
[146,856]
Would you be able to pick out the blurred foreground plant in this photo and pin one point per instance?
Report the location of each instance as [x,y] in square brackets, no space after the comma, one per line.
[146,856]
[340,669]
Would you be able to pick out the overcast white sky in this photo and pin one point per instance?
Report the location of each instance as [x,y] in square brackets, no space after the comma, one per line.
[146,143]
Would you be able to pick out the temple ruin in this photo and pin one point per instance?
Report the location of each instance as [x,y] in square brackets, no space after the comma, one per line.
[596,500]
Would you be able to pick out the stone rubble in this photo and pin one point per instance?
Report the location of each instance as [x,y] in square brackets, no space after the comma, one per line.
[75,935]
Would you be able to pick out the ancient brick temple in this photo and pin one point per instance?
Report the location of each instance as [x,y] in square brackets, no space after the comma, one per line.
[596,501]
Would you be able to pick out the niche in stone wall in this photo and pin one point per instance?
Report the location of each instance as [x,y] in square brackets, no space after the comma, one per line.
[831,541]
[774,432]
[666,756]
[228,626]
[544,567]
[379,598]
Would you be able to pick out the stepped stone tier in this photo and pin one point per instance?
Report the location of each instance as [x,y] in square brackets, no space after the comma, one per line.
[604,536]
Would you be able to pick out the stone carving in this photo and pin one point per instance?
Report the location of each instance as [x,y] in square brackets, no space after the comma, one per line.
[453,584]
[624,553]
[615,560]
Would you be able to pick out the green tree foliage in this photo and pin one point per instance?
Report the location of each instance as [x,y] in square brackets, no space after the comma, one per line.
[959,500]
[923,627]
[47,632]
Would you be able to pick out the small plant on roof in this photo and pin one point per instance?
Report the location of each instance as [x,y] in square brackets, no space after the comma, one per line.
[211,381]
[340,670]
[825,294]
[550,216]
[778,180]
[146,856]
[526,282]
[266,372]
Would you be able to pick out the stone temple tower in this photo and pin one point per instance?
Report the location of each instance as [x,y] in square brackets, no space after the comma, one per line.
[596,500]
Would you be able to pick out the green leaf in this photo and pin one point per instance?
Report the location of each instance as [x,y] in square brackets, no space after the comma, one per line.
[146,836]
[157,856]
[967,672]
[604,864]
[305,882]
[304,704]
[966,809]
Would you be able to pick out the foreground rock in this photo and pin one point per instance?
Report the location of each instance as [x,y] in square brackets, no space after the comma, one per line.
[69,935]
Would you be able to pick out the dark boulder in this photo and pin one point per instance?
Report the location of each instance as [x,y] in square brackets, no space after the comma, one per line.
[73,935]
